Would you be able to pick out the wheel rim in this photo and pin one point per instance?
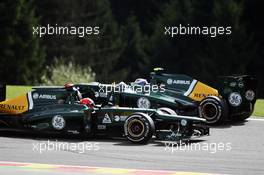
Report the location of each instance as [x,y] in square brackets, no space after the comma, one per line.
[209,111]
[136,128]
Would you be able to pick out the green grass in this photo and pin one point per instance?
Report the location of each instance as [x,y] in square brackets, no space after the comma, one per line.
[259,108]
[13,91]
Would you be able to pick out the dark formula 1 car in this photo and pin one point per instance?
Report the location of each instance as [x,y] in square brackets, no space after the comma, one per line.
[233,99]
[60,110]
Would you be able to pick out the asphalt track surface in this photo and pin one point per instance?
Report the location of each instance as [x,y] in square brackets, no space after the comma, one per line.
[241,152]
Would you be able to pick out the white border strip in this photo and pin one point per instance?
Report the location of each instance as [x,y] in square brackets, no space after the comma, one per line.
[256,119]
[30,100]
[190,88]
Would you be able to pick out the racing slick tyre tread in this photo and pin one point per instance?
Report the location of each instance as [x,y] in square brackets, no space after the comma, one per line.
[139,128]
[213,109]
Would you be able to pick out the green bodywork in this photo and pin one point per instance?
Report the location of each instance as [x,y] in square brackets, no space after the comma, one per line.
[105,120]
[224,84]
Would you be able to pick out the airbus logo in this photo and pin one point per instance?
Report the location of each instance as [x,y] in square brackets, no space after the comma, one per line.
[44,96]
[171,81]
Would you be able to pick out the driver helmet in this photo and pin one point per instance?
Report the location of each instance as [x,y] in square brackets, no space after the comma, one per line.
[141,82]
[69,86]
[88,102]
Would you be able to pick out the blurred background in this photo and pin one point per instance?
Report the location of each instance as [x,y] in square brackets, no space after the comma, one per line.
[131,41]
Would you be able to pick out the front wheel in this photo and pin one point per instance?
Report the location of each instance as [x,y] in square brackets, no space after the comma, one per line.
[213,109]
[139,128]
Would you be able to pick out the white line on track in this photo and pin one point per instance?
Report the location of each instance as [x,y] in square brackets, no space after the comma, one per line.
[256,119]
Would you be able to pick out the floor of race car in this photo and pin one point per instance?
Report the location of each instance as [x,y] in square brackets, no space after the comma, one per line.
[230,149]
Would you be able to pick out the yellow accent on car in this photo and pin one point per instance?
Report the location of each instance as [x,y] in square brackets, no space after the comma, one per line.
[16,105]
[158,69]
[201,90]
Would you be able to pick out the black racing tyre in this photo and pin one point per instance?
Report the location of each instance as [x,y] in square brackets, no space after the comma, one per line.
[242,117]
[167,111]
[213,109]
[139,128]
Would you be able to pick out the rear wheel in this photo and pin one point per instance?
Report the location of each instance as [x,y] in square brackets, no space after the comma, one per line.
[241,117]
[139,128]
[213,109]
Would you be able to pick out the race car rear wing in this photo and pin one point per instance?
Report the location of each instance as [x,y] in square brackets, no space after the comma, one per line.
[2,92]
[240,84]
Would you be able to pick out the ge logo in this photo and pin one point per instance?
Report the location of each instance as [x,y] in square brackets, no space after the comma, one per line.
[235,99]
[58,122]
[143,103]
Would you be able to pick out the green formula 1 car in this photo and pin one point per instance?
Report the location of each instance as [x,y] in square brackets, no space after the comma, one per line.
[61,110]
[234,98]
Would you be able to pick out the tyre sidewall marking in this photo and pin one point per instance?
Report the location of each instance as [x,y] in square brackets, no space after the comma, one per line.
[146,125]
[215,103]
